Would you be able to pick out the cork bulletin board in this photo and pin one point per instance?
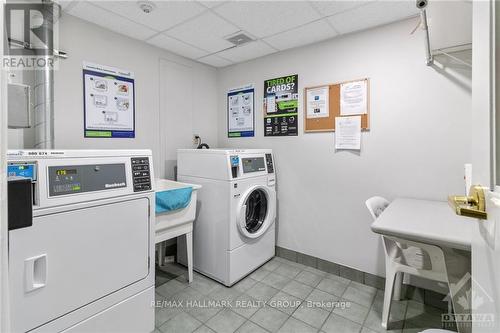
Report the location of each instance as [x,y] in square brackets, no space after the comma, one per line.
[327,124]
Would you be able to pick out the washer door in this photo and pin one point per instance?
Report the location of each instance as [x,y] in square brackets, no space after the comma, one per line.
[257,211]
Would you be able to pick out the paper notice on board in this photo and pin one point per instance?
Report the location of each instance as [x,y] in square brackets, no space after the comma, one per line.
[353,98]
[348,132]
[318,102]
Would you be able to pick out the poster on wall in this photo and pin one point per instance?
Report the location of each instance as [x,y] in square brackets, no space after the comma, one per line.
[240,112]
[353,98]
[281,106]
[318,102]
[109,105]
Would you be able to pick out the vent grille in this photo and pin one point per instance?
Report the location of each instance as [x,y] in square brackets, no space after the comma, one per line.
[239,39]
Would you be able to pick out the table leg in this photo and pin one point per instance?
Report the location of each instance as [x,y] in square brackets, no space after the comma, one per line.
[189,250]
[398,284]
[161,254]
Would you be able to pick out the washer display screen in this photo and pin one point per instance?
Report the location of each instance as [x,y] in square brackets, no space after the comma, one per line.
[253,164]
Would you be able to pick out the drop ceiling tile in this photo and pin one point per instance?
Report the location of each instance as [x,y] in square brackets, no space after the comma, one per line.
[215,61]
[247,51]
[327,8]
[166,14]
[265,18]
[372,15]
[307,34]
[175,46]
[206,31]
[109,20]
[211,3]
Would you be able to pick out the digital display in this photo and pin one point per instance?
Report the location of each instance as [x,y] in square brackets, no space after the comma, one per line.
[253,164]
[72,179]
[21,170]
[64,172]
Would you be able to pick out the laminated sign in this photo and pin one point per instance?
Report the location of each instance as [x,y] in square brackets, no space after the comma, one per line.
[108,103]
[240,108]
[281,106]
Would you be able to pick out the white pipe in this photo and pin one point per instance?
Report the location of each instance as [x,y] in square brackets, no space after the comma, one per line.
[44,95]
[425,27]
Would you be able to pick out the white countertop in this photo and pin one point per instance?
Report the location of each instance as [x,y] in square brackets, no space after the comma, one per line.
[432,222]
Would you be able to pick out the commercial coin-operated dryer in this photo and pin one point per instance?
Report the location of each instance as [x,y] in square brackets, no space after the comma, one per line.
[83,261]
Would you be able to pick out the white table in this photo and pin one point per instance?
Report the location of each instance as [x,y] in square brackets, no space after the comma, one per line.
[425,221]
[433,222]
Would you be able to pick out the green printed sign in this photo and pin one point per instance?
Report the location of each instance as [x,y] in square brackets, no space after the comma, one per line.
[281,106]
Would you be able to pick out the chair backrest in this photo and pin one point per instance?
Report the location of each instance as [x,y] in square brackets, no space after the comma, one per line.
[376,206]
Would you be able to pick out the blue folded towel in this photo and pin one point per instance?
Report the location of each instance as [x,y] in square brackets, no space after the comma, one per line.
[174,199]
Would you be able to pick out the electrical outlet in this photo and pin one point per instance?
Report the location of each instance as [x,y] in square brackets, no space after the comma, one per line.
[196,137]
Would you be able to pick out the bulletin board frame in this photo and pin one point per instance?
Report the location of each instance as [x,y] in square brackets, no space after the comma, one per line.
[327,124]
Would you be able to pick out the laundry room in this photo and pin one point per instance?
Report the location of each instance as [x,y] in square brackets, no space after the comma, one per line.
[249,166]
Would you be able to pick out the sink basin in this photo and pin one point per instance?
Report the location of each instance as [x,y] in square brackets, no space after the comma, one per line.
[169,224]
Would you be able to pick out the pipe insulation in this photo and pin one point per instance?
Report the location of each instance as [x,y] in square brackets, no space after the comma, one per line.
[425,28]
[44,88]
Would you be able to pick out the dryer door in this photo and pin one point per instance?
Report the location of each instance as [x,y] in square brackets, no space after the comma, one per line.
[257,211]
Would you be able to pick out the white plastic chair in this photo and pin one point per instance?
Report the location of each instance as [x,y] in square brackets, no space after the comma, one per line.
[405,256]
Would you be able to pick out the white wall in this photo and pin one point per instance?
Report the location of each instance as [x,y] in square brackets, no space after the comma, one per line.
[416,147]
[88,42]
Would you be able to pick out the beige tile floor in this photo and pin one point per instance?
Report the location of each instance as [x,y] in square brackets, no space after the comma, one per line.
[281,296]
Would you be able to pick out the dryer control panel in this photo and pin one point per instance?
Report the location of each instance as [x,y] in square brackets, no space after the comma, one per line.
[71,179]
[140,174]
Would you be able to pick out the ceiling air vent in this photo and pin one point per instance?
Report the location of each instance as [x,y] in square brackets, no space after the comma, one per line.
[239,39]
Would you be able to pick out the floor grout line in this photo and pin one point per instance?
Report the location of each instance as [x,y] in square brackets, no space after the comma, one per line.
[302,268]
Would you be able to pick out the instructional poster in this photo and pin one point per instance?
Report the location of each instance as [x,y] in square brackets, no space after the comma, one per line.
[318,102]
[109,106]
[240,112]
[281,106]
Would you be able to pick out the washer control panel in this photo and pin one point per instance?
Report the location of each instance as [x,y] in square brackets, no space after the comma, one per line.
[140,174]
[269,163]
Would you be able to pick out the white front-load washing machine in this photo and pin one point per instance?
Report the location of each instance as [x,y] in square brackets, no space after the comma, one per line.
[234,232]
